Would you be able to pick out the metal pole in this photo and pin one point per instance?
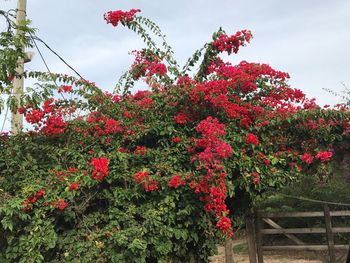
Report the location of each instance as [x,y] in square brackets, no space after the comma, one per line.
[18,83]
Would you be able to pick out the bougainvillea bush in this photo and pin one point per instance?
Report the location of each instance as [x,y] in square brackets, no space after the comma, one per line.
[161,174]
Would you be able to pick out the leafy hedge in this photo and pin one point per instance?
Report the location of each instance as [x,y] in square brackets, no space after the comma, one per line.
[161,174]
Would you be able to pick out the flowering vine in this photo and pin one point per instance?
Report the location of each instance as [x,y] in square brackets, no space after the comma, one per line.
[155,173]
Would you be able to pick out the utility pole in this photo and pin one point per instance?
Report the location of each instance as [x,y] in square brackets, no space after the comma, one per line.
[18,83]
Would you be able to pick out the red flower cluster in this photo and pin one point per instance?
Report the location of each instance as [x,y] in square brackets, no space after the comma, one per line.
[147,64]
[65,88]
[211,128]
[150,185]
[54,124]
[74,186]
[252,139]
[102,125]
[212,184]
[224,224]
[142,98]
[100,169]
[225,92]
[61,204]
[49,118]
[140,150]
[255,178]
[182,118]
[306,157]
[262,157]
[147,183]
[324,156]
[141,176]
[156,69]
[32,200]
[176,181]
[214,148]
[62,175]
[177,139]
[232,43]
[114,17]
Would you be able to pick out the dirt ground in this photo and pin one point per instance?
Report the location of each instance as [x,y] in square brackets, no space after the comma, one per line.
[280,257]
[243,258]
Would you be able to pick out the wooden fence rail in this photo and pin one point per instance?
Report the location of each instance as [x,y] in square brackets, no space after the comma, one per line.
[255,232]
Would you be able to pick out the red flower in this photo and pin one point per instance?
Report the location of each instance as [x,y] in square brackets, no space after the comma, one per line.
[147,183]
[114,17]
[177,139]
[306,157]
[54,125]
[267,162]
[123,150]
[141,176]
[252,139]
[224,224]
[26,205]
[61,204]
[210,127]
[112,126]
[65,88]
[100,168]
[176,181]
[255,178]
[127,114]
[140,150]
[35,116]
[74,186]
[40,193]
[232,43]
[32,199]
[150,185]
[147,64]
[182,118]
[324,156]
[73,170]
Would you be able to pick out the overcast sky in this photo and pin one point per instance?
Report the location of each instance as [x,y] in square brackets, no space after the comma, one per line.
[309,39]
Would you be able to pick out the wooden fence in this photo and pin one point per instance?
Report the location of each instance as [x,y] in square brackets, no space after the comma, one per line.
[255,232]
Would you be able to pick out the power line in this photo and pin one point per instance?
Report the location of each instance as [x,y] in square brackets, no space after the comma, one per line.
[40,54]
[54,52]
[43,59]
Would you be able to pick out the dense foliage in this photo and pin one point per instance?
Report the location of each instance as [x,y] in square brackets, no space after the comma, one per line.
[11,50]
[163,173]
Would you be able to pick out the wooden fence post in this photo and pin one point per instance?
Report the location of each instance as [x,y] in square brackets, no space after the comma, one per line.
[258,236]
[348,255]
[250,235]
[329,232]
[229,251]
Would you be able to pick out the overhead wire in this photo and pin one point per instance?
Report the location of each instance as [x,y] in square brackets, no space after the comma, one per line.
[34,37]
[43,59]
[40,54]
[55,53]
